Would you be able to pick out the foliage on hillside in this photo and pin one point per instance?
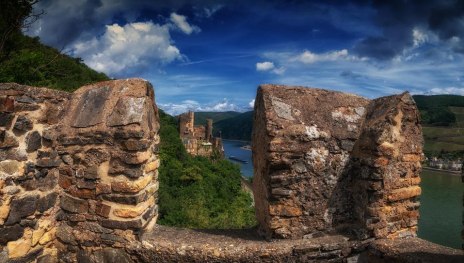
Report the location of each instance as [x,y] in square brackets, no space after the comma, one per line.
[197,192]
[201,116]
[435,109]
[236,128]
[25,60]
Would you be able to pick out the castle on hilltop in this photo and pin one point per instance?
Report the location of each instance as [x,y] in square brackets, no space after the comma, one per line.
[198,139]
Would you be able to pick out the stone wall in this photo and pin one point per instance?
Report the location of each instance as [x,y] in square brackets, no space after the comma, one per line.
[327,161]
[78,172]
[29,171]
[109,139]
[79,179]
[387,164]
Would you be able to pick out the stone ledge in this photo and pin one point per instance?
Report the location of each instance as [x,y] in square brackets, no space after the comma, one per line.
[411,250]
[169,244]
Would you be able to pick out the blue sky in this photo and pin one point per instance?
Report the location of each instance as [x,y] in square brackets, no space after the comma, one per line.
[211,55]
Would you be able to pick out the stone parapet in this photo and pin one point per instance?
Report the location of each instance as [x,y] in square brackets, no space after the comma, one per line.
[78,172]
[109,138]
[302,143]
[29,169]
[387,165]
[327,161]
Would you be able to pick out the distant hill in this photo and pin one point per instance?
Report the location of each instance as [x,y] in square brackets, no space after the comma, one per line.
[442,124]
[238,127]
[201,116]
[436,110]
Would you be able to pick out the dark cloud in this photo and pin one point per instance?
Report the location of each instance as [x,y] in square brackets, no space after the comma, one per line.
[66,21]
[350,75]
[397,19]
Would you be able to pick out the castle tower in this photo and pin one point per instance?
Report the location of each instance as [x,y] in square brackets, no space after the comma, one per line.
[209,130]
[186,123]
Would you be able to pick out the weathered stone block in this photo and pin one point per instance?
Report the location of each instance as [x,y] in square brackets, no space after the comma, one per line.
[119,224]
[6,119]
[82,193]
[34,141]
[73,205]
[47,202]
[102,188]
[151,166]
[90,107]
[21,207]
[129,186]
[6,104]
[135,158]
[65,234]
[7,140]
[136,145]
[10,233]
[127,110]
[11,167]
[102,209]
[404,193]
[126,199]
[23,124]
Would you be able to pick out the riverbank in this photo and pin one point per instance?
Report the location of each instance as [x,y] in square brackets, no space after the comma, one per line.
[450,172]
[231,140]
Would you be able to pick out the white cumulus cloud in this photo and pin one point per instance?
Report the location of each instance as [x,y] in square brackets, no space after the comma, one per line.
[264,66]
[180,22]
[133,45]
[192,105]
[308,57]
[269,66]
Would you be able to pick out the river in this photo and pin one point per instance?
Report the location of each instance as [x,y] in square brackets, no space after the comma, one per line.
[441,207]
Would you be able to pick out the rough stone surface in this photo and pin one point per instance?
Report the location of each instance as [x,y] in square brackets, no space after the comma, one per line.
[10,233]
[22,207]
[34,141]
[23,124]
[127,111]
[412,250]
[73,205]
[91,106]
[388,153]
[336,169]
[301,158]
[325,160]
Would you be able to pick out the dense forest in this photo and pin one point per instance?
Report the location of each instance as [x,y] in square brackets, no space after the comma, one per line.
[194,192]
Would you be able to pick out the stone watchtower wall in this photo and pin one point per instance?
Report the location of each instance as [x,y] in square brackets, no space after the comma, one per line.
[79,179]
[29,161]
[327,161]
[78,172]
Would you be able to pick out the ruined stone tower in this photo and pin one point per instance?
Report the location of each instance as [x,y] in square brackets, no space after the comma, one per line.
[198,139]
[209,130]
